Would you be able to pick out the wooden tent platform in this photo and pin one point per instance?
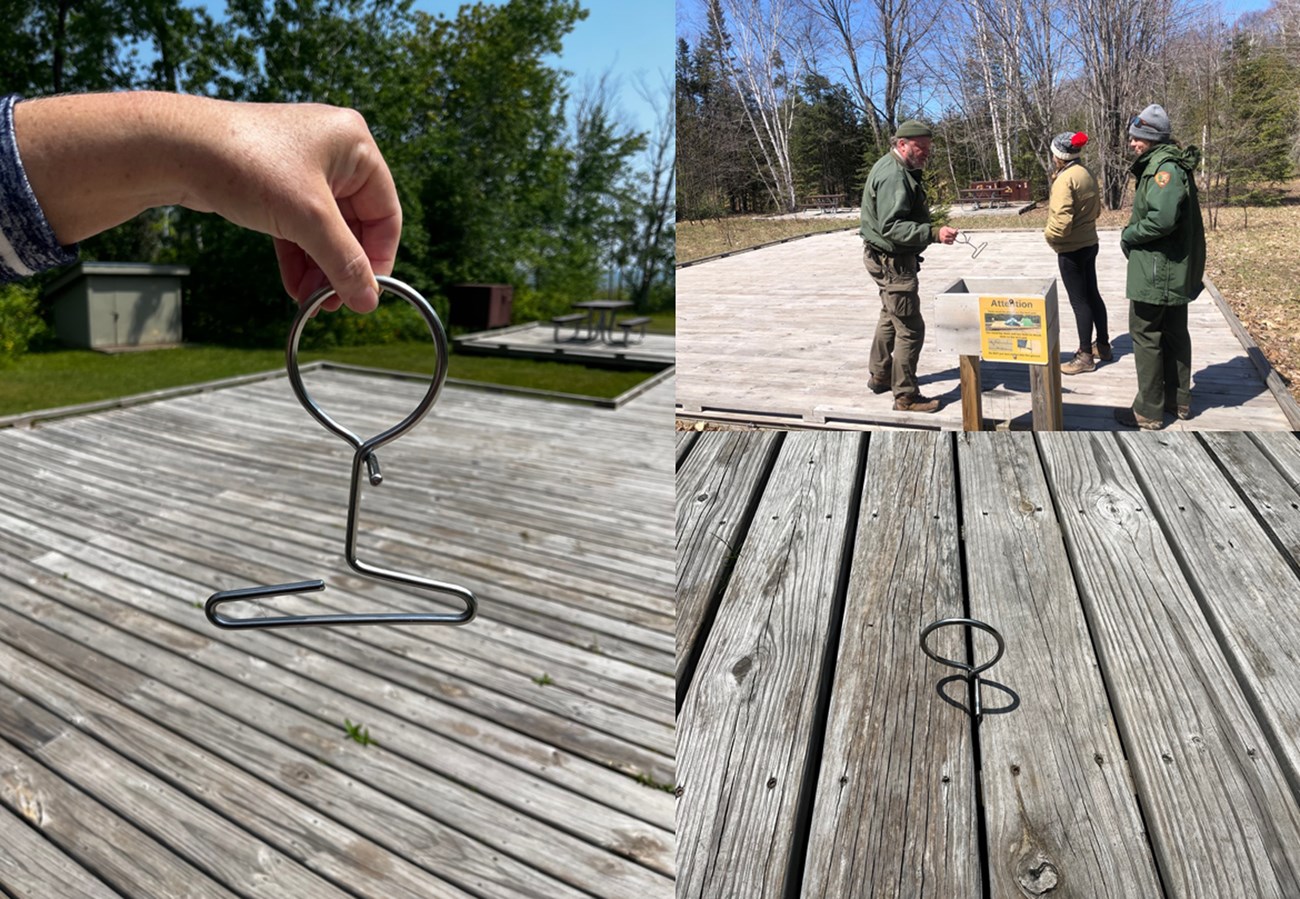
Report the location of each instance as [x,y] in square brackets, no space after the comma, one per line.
[536,340]
[144,752]
[780,337]
[1146,586]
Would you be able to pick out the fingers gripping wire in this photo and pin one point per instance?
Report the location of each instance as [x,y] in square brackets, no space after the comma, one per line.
[363,457]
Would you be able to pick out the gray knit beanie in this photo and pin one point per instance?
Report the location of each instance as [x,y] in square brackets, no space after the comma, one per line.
[1151,124]
[1068,144]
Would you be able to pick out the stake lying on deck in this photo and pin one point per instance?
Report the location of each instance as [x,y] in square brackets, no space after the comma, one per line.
[971,672]
[364,455]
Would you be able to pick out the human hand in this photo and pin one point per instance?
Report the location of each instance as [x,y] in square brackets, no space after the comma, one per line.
[310,176]
[948,235]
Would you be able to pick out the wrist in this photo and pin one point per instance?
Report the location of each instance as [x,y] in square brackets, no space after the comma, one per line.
[97,160]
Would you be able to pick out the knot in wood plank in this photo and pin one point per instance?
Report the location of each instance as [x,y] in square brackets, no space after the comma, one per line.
[1039,878]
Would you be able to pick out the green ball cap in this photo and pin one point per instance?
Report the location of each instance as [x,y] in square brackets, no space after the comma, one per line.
[913,128]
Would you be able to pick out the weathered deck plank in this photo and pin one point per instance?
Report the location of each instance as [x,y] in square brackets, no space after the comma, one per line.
[746,725]
[33,868]
[1019,580]
[1216,804]
[1243,582]
[894,813]
[1142,582]
[716,488]
[783,334]
[508,751]
[537,340]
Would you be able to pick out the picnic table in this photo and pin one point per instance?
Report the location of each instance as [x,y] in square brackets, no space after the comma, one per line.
[1142,584]
[981,197]
[825,202]
[600,324]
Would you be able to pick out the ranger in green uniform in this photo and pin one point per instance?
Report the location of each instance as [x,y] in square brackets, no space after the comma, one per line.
[895,229]
[1165,246]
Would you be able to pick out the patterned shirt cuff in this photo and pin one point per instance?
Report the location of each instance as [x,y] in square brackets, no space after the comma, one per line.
[27,242]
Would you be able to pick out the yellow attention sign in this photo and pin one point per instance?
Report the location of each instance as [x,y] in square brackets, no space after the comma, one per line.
[1014,329]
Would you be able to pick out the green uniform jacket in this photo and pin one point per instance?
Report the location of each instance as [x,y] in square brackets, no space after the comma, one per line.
[895,216]
[1165,239]
[1072,210]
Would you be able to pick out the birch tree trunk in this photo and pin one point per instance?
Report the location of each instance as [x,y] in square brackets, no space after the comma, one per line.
[758,72]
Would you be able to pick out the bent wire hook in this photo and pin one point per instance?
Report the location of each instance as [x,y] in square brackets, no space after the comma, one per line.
[364,455]
[963,237]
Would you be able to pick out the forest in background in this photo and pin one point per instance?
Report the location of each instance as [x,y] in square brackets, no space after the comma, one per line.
[503,176]
[780,99]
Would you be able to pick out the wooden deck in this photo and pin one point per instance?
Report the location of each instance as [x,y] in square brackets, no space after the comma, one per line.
[145,753]
[536,340]
[780,337]
[1146,586]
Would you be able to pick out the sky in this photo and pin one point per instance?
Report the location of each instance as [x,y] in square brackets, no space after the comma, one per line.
[691,18]
[629,40]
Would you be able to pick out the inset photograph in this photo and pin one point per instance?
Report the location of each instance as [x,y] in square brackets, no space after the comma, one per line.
[969,223]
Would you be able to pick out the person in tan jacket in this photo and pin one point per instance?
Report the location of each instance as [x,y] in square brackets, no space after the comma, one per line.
[1071,231]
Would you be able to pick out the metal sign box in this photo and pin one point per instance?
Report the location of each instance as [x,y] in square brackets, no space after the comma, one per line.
[972,317]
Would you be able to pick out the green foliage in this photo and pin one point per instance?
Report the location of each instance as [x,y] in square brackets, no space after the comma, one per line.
[1264,102]
[715,145]
[394,321]
[647,780]
[358,733]
[20,320]
[495,205]
[827,140]
[501,178]
[543,680]
[233,294]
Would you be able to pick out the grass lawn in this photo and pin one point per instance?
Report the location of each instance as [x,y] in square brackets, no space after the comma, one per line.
[709,237]
[69,377]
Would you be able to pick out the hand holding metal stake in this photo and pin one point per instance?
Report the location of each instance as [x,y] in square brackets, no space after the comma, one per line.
[963,237]
[364,455]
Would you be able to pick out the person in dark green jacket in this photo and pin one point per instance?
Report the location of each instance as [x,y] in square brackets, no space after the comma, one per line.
[895,229]
[1165,246]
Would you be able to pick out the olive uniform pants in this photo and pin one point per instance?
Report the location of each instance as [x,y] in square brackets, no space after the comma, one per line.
[1162,353]
[900,332]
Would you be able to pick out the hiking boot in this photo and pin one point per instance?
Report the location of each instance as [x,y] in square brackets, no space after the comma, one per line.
[1102,351]
[1131,419]
[1183,412]
[914,402]
[875,385]
[1080,363]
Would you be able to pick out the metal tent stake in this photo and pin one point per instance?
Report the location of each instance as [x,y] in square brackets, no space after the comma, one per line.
[363,457]
[970,673]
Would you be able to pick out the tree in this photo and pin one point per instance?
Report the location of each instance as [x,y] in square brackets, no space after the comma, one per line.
[827,143]
[1120,45]
[714,170]
[343,52]
[758,72]
[600,209]
[1263,98]
[490,137]
[649,246]
[880,52]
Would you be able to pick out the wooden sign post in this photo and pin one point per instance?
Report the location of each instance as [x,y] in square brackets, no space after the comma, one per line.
[1004,320]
